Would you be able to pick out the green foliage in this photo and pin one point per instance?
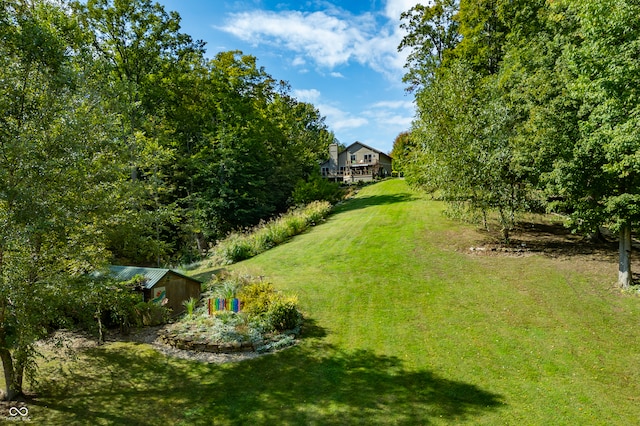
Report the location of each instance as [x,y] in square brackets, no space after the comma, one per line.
[535,104]
[57,173]
[236,246]
[401,151]
[256,297]
[315,188]
[483,34]
[432,32]
[467,154]
[190,305]
[283,314]
[256,145]
[150,314]
[118,139]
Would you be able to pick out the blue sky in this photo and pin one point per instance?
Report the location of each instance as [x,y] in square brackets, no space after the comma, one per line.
[340,56]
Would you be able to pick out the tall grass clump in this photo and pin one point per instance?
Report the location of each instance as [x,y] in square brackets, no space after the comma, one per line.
[240,246]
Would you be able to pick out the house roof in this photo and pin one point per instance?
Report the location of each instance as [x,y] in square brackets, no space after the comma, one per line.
[377,151]
[151,275]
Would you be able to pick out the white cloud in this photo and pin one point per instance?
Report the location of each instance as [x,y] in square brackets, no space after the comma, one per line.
[397,115]
[336,75]
[339,120]
[298,61]
[394,105]
[327,38]
[307,95]
[348,123]
[394,8]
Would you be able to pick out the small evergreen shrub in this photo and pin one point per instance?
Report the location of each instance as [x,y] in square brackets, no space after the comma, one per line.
[283,314]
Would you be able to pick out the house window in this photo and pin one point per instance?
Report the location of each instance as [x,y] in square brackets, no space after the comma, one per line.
[368,158]
[353,158]
[325,171]
[341,170]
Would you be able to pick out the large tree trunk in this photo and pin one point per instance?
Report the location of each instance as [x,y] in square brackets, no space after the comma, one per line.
[9,392]
[624,252]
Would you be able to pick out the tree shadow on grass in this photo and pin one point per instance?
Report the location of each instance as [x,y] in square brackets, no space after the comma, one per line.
[313,383]
[372,200]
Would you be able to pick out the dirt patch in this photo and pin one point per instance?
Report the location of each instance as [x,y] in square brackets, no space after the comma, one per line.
[543,237]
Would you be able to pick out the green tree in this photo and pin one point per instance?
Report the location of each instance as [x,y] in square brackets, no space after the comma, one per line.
[599,182]
[483,33]
[466,154]
[257,143]
[432,31]
[303,141]
[57,176]
[464,140]
[402,146]
[141,56]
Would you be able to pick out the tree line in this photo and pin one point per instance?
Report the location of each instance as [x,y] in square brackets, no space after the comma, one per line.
[528,105]
[120,140]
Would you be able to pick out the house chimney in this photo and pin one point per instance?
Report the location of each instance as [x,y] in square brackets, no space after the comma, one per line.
[333,158]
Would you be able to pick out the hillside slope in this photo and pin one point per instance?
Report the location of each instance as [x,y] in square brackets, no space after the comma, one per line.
[547,343]
[404,326]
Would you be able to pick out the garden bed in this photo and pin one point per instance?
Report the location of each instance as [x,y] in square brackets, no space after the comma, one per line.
[248,315]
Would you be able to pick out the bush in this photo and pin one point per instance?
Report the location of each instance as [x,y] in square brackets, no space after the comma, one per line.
[317,188]
[256,298]
[149,313]
[316,211]
[190,305]
[283,314]
[235,248]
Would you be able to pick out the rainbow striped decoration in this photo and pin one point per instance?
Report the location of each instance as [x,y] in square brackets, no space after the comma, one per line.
[221,304]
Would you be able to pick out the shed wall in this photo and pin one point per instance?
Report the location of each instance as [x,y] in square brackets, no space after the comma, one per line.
[178,290]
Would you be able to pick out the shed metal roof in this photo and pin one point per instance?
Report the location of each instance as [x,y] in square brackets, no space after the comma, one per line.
[151,275]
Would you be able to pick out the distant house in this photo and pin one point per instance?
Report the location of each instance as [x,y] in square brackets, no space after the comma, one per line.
[160,284]
[358,162]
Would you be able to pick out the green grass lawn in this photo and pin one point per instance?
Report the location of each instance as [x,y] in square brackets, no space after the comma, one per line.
[401,329]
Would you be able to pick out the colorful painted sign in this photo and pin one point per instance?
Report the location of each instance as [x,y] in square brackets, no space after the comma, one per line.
[220,304]
[158,295]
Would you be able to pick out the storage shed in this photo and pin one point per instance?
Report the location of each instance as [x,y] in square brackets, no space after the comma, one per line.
[160,284]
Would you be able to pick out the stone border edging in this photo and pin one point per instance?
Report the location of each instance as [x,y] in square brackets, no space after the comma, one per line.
[172,339]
